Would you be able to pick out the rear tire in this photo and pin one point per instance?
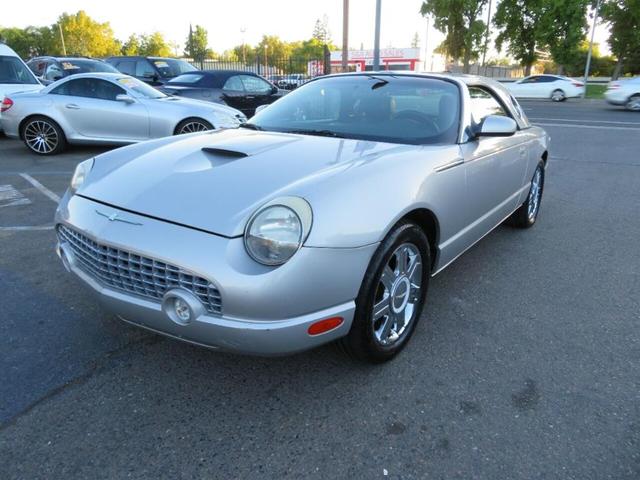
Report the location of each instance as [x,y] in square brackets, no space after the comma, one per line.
[395,284]
[633,103]
[558,96]
[43,136]
[192,125]
[527,214]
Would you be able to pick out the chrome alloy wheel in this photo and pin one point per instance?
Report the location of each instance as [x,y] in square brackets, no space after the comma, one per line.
[41,136]
[397,295]
[533,202]
[192,127]
[634,103]
[557,95]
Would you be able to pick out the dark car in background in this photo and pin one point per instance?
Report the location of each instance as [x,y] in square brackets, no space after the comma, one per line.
[152,70]
[50,69]
[244,91]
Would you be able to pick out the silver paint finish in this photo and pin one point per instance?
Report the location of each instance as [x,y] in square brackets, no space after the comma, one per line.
[96,121]
[194,205]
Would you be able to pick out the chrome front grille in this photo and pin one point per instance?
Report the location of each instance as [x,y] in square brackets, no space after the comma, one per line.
[136,274]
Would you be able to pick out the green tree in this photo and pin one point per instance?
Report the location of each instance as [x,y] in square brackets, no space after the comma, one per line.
[131,46]
[415,41]
[563,27]
[458,20]
[321,30]
[154,45]
[87,37]
[519,22]
[623,18]
[196,46]
[30,41]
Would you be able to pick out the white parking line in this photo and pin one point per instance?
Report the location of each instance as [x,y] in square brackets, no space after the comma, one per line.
[44,190]
[10,197]
[595,127]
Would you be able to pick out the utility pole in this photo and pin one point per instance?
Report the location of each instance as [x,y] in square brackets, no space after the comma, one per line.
[345,35]
[588,65]
[244,50]
[426,44]
[64,49]
[486,38]
[376,42]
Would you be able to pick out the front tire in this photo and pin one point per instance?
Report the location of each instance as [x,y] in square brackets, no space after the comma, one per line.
[558,96]
[527,214]
[192,125]
[633,103]
[391,296]
[43,136]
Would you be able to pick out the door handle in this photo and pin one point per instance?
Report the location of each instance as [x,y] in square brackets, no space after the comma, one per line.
[72,106]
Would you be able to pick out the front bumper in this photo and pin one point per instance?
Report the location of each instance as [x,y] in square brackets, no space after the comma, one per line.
[615,97]
[265,311]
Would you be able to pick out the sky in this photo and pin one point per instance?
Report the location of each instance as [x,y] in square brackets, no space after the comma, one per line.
[225,20]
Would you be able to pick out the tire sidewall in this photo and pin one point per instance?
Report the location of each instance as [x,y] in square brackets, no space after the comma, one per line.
[361,336]
[561,99]
[530,221]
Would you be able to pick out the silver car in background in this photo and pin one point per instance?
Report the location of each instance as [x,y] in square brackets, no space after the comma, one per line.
[322,219]
[105,108]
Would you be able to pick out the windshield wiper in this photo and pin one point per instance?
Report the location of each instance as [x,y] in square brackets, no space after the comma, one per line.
[251,126]
[319,133]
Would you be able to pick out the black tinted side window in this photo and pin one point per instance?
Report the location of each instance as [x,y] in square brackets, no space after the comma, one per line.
[127,66]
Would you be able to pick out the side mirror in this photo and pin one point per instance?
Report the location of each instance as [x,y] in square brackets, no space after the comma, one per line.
[123,97]
[497,126]
[259,108]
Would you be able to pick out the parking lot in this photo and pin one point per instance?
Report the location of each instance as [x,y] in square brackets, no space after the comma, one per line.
[526,363]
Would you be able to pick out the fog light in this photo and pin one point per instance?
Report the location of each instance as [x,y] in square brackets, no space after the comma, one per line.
[181,306]
[325,325]
[182,310]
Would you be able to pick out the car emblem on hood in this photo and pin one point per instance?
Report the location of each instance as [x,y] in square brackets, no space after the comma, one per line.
[115,218]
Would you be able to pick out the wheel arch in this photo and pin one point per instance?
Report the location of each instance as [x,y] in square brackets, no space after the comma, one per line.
[192,117]
[428,222]
[29,117]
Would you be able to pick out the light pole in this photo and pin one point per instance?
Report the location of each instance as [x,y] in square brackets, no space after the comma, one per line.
[345,35]
[376,42]
[426,44]
[244,53]
[486,39]
[588,65]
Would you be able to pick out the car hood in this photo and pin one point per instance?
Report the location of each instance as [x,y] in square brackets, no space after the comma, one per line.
[215,181]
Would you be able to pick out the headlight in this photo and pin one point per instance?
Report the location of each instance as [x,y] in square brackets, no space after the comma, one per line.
[80,174]
[276,231]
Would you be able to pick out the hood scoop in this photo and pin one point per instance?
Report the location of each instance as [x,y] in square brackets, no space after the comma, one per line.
[224,152]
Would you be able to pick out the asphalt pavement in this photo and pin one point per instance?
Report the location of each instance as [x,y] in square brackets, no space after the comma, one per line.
[526,364]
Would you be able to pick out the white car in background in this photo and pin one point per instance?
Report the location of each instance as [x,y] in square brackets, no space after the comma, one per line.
[15,76]
[555,87]
[624,92]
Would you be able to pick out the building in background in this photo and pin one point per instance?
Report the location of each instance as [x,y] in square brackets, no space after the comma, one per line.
[410,59]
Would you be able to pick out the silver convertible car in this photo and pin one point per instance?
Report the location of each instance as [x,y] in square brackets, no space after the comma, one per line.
[105,108]
[322,219]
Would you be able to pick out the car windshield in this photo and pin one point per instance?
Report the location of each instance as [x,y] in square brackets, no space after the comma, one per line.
[170,67]
[187,78]
[387,108]
[75,65]
[12,70]
[140,89]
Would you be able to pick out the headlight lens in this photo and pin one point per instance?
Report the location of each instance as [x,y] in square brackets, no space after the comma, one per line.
[275,234]
[80,174]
